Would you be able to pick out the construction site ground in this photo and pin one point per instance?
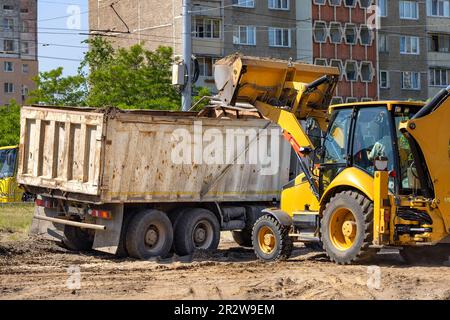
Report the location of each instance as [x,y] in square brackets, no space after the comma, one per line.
[34,268]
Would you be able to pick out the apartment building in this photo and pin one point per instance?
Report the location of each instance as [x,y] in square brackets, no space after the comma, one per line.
[18,49]
[438,35]
[402,46]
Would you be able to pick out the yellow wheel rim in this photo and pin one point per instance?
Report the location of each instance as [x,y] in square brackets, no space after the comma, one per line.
[343,229]
[266,240]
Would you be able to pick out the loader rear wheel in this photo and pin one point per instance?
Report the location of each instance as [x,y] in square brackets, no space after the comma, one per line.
[347,228]
[437,254]
[196,229]
[77,239]
[149,234]
[271,240]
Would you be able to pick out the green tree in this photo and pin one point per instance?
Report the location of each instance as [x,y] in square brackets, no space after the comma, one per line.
[55,89]
[10,124]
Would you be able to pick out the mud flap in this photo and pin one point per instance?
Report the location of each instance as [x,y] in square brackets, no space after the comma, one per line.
[108,240]
[46,229]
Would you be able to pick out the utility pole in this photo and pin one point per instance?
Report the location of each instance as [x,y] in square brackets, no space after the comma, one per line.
[187,54]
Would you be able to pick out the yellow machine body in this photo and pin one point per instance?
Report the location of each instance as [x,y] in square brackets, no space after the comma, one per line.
[9,189]
[288,93]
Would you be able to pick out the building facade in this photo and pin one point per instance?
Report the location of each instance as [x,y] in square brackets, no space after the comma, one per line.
[18,49]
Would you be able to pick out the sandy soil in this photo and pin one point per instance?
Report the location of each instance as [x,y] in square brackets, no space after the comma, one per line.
[38,269]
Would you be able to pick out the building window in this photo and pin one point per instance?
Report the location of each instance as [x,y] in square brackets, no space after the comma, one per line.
[244,3]
[206,66]
[335,32]
[366,99]
[350,34]
[320,62]
[366,72]
[409,10]
[382,8]
[351,100]
[24,91]
[279,37]
[365,3]
[8,66]
[24,10]
[24,47]
[365,35]
[438,8]
[409,45]
[438,77]
[351,70]
[8,24]
[320,2]
[206,28]
[320,32]
[25,27]
[411,80]
[9,87]
[335,2]
[439,43]
[384,79]
[336,100]
[337,64]
[8,8]
[350,3]
[245,35]
[383,43]
[279,4]
[25,68]
[8,45]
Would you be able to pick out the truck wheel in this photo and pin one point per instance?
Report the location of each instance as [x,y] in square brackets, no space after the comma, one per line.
[149,234]
[196,229]
[77,239]
[347,228]
[243,238]
[436,254]
[271,240]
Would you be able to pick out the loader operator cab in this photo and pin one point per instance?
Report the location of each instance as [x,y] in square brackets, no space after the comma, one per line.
[361,132]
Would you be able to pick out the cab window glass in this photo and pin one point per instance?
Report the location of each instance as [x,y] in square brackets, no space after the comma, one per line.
[372,138]
[335,144]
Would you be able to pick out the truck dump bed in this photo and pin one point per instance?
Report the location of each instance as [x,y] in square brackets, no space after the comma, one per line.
[113,156]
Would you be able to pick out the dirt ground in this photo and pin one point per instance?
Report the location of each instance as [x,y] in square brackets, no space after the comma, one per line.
[40,269]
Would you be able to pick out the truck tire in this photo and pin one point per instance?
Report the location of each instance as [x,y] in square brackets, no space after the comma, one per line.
[244,237]
[437,254]
[149,234]
[347,228]
[77,239]
[271,240]
[196,229]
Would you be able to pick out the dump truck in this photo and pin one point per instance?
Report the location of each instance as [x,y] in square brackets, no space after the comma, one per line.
[374,174]
[9,189]
[146,183]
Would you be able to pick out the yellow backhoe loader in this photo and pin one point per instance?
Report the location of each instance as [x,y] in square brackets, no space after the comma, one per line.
[9,189]
[373,174]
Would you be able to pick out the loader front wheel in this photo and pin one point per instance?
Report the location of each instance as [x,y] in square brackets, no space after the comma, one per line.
[149,234]
[271,240]
[347,228]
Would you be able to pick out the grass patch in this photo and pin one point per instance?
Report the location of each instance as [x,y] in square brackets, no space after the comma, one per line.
[15,221]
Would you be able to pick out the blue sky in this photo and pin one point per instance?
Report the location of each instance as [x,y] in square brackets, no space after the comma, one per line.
[59,29]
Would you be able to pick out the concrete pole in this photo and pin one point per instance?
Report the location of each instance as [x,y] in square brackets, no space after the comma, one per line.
[187,54]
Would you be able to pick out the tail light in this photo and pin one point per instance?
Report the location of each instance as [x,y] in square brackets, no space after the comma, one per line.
[102,214]
[45,203]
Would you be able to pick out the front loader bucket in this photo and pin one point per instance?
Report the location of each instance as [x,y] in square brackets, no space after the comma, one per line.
[275,82]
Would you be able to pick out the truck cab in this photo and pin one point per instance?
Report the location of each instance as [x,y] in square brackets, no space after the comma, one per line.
[9,189]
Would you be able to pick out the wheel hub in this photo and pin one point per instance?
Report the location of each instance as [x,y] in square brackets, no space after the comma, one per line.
[151,237]
[349,228]
[266,240]
[200,235]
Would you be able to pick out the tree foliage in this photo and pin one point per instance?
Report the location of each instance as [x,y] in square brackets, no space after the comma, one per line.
[10,124]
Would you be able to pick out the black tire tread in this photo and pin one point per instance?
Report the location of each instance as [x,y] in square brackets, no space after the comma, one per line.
[286,243]
[365,252]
